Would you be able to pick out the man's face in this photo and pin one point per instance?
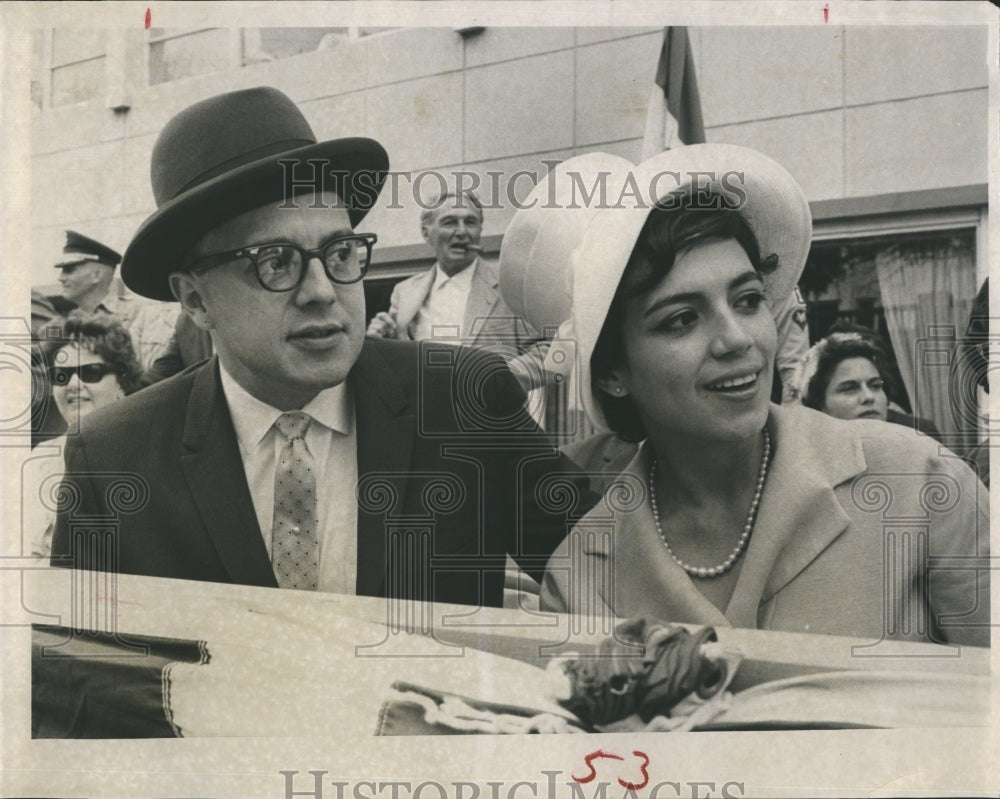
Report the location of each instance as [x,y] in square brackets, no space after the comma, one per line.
[78,279]
[282,347]
[454,232]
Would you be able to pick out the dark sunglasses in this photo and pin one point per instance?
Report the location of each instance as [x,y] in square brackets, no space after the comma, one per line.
[88,372]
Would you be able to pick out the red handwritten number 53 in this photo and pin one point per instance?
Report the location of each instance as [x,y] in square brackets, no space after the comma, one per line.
[600,753]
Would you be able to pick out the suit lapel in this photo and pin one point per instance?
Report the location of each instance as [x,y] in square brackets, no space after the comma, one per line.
[799,515]
[386,427]
[483,295]
[213,468]
[411,296]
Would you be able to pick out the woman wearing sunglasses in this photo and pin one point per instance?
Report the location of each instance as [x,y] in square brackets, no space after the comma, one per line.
[92,365]
[735,511]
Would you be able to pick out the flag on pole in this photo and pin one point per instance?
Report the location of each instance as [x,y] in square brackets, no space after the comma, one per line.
[673,117]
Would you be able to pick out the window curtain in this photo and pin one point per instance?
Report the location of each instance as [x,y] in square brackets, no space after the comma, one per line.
[927,288]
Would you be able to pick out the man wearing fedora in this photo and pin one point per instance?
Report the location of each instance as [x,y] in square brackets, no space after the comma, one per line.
[302,455]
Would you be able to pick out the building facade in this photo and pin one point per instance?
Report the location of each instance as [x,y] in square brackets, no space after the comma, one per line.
[886,129]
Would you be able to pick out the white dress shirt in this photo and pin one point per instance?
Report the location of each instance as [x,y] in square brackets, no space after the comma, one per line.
[332,440]
[443,310]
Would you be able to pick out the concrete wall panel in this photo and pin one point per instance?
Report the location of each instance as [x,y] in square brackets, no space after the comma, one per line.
[760,73]
[523,106]
[613,82]
[810,147]
[926,143]
[936,59]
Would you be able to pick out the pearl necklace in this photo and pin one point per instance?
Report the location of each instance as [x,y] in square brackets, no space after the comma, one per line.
[727,564]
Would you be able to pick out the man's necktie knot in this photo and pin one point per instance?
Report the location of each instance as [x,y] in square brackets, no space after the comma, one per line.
[293,424]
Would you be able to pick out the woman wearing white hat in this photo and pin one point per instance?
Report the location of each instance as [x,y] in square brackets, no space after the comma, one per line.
[736,511]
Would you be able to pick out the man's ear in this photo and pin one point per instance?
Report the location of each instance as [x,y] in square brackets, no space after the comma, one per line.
[97,274]
[185,287]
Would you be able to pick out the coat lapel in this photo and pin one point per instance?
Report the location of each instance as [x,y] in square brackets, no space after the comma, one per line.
[411,296]
[483,295]
[386,427]
[645,577]
[213,468]
[799,515]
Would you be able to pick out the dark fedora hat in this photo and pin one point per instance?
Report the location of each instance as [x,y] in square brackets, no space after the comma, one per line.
[232,153]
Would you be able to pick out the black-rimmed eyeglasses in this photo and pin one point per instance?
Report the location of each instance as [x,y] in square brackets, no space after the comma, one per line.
[280,266]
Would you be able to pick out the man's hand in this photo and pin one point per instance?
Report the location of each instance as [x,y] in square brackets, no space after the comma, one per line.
[382,325]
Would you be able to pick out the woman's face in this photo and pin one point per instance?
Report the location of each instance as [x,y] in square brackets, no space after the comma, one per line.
[699,347]
[856,391]
[74,397]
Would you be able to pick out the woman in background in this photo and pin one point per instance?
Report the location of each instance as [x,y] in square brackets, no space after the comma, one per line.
[91,366]
[736,511]
[844,375]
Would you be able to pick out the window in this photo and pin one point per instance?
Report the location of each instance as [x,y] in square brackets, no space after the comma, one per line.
[77,62]
[269,44]
[176,54]
[914,289]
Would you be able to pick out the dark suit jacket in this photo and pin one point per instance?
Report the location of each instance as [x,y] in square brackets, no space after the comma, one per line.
[452,476]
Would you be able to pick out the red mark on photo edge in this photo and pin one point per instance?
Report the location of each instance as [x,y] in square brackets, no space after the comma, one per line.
[826,14]
[592,774]
[149,19]
[589,760]
[635,786]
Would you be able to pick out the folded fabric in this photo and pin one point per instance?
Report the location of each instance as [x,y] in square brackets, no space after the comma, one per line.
[645,668]
[104,685]
[843,699]
[417,710]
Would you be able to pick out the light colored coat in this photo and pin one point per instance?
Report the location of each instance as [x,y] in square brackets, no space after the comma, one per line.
[487,321]
[850,513]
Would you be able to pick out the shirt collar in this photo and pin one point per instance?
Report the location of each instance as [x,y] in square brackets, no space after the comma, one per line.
[252,419]
[112,303]
[461,279]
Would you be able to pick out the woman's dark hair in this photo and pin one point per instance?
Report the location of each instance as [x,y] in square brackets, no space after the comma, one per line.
[667,233]
[835,349]
[103,335]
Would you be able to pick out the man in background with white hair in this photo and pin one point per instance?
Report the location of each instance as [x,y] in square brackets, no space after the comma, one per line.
[459,296]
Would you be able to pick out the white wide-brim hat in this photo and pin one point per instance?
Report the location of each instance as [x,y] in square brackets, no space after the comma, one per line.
[535,271]
[768,198]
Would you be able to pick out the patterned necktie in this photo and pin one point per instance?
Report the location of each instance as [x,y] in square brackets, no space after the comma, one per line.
[294,546]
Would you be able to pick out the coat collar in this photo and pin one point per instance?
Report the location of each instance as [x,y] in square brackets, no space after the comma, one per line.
[799,517]
[212,466]
[483,296]
[412,295]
